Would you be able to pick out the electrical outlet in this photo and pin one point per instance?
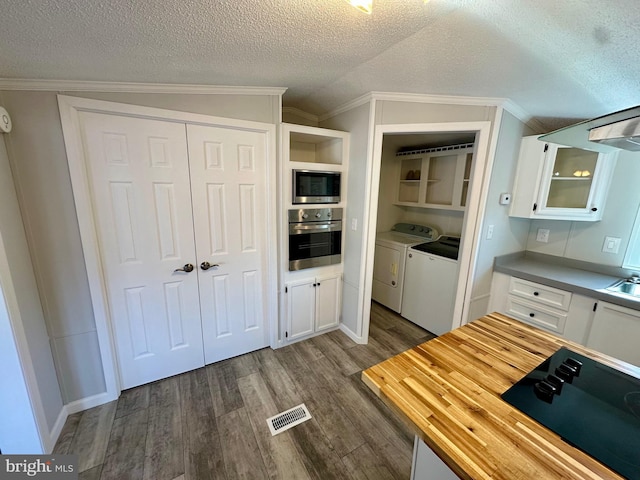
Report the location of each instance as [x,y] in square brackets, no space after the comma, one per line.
[611,244]
[490,232]
[543,235]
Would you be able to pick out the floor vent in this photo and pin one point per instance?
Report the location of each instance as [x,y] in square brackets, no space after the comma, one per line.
[290,418]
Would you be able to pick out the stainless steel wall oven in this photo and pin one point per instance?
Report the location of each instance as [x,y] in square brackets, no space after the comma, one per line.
[315,237]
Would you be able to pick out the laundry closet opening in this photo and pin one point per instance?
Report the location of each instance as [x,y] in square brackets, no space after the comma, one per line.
[423,196]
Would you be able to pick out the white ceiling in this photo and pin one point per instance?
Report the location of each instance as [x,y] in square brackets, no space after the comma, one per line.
[554,58]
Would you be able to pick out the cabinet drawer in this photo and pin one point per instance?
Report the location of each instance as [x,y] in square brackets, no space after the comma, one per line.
[535,315]
[541,294]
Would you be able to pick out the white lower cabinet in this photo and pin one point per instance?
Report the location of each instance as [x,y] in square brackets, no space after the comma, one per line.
[313,305]
[615,331]
[557,311]
[427,465]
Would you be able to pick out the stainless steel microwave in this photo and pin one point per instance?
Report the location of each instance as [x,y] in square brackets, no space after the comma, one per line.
[313,186]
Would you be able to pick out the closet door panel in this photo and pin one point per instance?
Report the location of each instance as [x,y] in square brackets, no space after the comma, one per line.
[228,179]
[141,194]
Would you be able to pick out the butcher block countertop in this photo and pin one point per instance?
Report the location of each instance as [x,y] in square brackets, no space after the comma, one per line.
[448,389]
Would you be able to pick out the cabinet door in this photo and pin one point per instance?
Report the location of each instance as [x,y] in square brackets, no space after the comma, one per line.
[571,183]
[615,331]
[328,291]
[301,304]
[560,183]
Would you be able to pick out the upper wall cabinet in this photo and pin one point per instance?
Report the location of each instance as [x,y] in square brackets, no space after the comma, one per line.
[561,183]
[434,178]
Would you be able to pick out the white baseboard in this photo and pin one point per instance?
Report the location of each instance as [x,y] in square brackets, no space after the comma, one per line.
[54,434]
[70,408]
[478,306]
[352,335]
[89,402]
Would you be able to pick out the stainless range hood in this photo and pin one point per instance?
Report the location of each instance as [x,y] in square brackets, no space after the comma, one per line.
[620,130]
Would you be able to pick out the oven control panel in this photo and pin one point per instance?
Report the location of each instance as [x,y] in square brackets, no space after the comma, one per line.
[302,215]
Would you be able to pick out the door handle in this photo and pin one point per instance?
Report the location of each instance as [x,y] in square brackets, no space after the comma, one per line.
[188,267]
[207,265]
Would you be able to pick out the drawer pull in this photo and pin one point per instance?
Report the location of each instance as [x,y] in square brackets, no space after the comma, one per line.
[532,315]
[535,294]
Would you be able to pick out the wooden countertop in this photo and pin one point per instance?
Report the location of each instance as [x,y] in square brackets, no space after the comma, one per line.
[448,389]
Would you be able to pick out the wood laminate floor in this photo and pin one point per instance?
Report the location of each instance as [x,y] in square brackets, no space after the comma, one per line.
[210,423]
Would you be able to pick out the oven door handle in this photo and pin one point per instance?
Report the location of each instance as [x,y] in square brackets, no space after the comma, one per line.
[302,228]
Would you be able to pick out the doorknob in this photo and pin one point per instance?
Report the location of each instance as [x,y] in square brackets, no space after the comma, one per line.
[207,265]
[188,267]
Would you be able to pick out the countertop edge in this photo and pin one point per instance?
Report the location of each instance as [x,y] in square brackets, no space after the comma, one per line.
[592,283]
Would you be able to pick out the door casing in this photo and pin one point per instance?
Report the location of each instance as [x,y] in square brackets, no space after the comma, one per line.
[69,114]
[481,173]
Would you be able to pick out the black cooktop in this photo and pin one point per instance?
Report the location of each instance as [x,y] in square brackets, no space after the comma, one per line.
[593,407]
[444,246]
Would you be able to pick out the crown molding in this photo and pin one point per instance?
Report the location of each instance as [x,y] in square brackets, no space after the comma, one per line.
[132,87]
[356,102]
[505,103]
[301,113]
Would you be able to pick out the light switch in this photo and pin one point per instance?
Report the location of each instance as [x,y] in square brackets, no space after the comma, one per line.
[611,244]
[490,232]
[354,224]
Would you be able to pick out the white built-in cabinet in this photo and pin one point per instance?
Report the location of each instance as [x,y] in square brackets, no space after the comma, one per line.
[559,182]
[313,305]
[602,326]
[311,298]
[615,331]
[427,465]
[312,148]
[563,313]
[435,178]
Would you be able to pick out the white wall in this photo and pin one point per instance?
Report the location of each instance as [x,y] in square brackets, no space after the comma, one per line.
[298,117]
[509,234]
[584,240]
[38,159]
[26,293]
[18,427]
[355,121]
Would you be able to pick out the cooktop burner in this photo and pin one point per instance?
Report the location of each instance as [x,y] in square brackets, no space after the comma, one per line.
[593,407]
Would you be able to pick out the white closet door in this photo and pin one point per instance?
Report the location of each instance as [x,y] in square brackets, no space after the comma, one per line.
[228,179]
[139,173]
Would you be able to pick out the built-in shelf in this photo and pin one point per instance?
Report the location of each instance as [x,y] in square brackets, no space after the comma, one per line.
[443,174]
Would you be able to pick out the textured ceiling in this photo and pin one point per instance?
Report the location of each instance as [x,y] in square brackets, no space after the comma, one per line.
[555,59]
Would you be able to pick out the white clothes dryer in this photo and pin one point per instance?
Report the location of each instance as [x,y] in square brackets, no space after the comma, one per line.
[390,258]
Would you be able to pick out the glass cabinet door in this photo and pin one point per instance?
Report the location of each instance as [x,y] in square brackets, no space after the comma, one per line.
[572,178]
[569,180]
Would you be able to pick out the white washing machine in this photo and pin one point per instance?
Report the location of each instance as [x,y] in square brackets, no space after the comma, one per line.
[390,258]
